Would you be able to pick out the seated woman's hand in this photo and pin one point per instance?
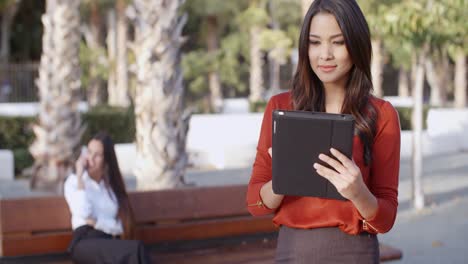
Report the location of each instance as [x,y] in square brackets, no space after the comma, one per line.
[91,221]
[81,164]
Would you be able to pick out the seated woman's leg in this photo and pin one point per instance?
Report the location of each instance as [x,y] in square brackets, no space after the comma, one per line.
[101,250]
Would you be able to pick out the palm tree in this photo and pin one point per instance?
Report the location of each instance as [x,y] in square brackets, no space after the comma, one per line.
[59,130]
[161,121]
[254,19]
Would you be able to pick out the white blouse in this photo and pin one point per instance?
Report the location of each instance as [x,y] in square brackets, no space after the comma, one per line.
[95,201]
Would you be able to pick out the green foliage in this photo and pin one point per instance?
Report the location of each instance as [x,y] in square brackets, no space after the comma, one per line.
[405,114]
[15,132]
[254,15]
[410,26]
[93,63]
[234,58]
[212,7]
[196,65]
[118,122]
[276,43]
[22,159]
[258,106]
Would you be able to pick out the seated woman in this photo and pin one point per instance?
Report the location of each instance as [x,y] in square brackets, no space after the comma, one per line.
[100,208]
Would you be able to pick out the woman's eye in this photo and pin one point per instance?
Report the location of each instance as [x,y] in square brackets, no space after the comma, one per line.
[314,42]
[340,42]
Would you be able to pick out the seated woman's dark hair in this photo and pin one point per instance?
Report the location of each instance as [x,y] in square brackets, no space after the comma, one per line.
[114,180]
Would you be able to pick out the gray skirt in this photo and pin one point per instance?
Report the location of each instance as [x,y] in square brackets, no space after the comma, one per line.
[325,245]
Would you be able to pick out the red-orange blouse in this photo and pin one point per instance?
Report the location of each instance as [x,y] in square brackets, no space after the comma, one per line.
[309,212]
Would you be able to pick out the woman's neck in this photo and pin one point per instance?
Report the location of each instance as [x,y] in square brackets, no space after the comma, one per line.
[334,97]
[97,177]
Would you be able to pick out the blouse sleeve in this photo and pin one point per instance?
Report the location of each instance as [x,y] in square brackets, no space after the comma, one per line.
[261,172]
[384,172]
[77,200]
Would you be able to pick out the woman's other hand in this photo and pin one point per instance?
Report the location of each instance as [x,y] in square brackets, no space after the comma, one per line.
[346,177]
[269,198]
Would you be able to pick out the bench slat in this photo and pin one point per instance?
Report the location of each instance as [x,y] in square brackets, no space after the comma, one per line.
[34,214]
[40,244]
[206,229]
[189,203]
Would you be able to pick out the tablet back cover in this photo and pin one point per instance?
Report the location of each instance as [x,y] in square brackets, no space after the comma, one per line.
[298,138]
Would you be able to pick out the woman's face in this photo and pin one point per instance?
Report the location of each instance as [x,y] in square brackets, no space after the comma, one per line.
[95,158]
[328,55]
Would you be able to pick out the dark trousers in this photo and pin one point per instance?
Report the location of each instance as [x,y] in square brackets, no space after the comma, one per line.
[90,246]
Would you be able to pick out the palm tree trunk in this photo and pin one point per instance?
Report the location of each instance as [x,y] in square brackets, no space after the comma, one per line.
[437,77]
[111,41]
[417,123]
[95,95]
[121,62]
[59,130]
[7,19]
[212,43]
[377,67]
[274,75]
[257,89]
[460,79]
[403,84]
[273,63]
[161,122]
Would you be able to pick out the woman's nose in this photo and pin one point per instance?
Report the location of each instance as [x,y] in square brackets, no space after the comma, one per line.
[326,52]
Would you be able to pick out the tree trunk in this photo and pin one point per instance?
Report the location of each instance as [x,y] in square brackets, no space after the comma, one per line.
[403,84]
[437,77]
[257,89]
[93,39]
[377,67]
[305,4]
[59,130]
[161,122]
[273,64]
[460,79]
[121,62]
[212,43]
[274,67]
[111,41]
[7,19]
[417,123]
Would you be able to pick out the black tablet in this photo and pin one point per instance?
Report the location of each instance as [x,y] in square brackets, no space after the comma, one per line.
[298,139]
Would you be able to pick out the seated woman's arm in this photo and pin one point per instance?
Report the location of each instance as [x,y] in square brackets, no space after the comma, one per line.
[77,200]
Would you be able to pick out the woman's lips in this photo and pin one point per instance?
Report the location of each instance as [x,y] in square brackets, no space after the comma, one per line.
[326,68]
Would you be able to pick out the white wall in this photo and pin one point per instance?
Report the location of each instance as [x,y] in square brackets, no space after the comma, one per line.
[28,109]
[6,165]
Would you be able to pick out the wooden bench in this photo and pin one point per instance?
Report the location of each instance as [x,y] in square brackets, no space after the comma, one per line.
[192,220]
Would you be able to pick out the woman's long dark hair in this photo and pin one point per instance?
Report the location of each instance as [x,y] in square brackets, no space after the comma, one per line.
[114,179]
[307,90]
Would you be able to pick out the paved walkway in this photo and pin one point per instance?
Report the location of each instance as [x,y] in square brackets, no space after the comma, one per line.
[437,234]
